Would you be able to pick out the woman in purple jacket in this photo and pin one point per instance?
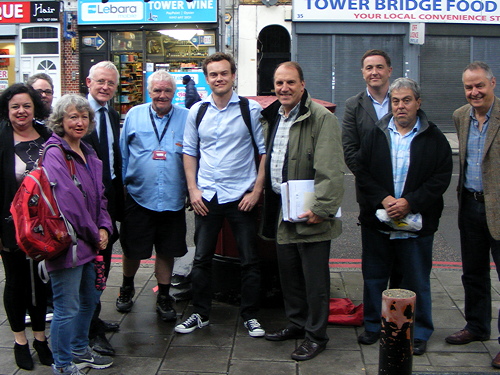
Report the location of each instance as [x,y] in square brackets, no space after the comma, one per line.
[83,203]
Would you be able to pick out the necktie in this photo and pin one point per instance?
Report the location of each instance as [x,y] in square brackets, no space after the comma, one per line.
[103,144]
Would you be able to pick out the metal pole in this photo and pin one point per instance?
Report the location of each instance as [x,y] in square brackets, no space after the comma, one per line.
[396,336]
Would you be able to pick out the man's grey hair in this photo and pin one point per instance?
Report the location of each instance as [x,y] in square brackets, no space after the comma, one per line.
[105,65]
[35,77]
[63,105]
[480,65]
[405,83]
[161,75]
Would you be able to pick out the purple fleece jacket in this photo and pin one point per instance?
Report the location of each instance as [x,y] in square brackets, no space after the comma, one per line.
[85,207]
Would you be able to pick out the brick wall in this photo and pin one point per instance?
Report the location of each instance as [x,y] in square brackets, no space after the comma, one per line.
[70,62]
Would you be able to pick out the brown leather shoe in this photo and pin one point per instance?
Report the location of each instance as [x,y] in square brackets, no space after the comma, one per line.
[464,337]
[496,361]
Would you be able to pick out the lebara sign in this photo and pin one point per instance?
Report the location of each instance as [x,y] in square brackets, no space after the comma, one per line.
[442,11]
[92,12]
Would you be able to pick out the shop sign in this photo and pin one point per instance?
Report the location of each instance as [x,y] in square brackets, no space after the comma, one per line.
[427,11]
[29,12]
[93,12]
[96,41]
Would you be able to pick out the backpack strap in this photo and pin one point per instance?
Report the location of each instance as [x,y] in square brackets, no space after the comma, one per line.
[245,113]
[201,112]
[70,162]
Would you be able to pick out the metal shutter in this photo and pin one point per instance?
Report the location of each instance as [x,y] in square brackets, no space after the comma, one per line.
[442,61]
[488,50]
[315,58]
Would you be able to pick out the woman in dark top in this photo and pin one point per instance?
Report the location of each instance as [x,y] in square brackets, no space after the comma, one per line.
[21,142]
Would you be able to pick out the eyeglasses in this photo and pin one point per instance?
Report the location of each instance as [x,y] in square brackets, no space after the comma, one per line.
[102,82]
[47,92]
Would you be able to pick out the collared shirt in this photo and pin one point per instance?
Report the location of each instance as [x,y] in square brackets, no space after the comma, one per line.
[475,150]
[380,108]
[158,185]
[280,146]
[400,157]
[96,107]
[224,147]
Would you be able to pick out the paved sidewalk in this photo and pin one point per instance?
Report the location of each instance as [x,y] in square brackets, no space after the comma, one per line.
[146,345]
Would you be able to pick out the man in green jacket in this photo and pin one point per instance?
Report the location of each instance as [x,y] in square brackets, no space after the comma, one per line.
[303,143]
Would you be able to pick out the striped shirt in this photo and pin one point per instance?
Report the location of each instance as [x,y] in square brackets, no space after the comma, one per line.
[400,157]
[280,146]
[475,149]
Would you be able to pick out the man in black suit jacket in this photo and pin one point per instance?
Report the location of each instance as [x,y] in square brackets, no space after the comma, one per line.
[363,110]
[361,113]
[102,82]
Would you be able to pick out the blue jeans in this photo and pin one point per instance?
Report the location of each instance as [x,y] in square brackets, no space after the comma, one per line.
[75,299]
[244,228]
[476,243]
[414,259]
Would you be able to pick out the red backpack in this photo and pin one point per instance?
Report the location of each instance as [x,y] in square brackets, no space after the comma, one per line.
[42,231]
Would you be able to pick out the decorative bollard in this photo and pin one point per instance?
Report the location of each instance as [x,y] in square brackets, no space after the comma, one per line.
[396,336]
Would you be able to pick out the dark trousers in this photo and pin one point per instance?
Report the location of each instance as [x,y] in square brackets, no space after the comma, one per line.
[476,243]
[243,226]
[20,278]
[414,258]
[305,281]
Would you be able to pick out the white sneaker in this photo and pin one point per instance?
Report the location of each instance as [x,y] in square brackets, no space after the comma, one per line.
[191,323]
[254,328]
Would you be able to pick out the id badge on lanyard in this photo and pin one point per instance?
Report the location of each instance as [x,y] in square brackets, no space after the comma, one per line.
[160,154]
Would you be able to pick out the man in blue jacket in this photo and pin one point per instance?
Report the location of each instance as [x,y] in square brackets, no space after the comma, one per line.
[404,168]
[192,95]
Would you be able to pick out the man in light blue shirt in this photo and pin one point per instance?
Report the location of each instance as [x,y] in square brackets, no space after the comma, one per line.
[151,146]
[224,183]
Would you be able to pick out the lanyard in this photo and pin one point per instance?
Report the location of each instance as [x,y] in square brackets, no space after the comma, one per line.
[156,129]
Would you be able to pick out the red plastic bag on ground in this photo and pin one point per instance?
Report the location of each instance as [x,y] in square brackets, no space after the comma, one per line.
[344,312]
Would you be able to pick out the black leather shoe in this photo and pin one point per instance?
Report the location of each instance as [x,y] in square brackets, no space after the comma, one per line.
[101,345]
[368,338]
[307,350]
[110,327]
[419,347]
[288,333]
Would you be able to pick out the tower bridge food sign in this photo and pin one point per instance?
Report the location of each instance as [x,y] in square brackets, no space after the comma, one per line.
[435,11]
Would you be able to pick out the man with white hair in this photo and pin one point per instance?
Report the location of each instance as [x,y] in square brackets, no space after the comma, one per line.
[102,83]
[153,174]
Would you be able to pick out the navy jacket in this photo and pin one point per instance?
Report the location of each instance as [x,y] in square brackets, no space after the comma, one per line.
[428,176]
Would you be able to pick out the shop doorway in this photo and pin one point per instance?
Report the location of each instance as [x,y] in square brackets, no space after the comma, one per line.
[43,64]
[273,48]
[86,62]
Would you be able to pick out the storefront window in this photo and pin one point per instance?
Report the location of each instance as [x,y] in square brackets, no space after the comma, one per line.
[127,41]
[7,64]
[176,48]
